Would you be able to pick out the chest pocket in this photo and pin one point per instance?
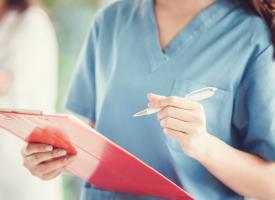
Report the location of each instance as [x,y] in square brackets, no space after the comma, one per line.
[216,108]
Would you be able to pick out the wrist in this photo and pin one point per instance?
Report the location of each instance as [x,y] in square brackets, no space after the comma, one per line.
[207,149]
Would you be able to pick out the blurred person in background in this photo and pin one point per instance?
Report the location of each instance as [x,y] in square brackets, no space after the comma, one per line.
[28,79]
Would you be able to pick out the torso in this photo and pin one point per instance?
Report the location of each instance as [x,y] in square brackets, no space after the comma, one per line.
[130,62]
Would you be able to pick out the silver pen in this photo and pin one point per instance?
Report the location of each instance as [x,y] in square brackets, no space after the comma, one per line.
[196,95]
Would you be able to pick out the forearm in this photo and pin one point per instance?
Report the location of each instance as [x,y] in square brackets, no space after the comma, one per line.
[244,173]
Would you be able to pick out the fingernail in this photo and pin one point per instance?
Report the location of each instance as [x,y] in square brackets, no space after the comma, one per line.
[62,152]
[165,130]
[49,148]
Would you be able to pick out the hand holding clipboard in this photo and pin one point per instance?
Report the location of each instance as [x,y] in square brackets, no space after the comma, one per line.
[98,161]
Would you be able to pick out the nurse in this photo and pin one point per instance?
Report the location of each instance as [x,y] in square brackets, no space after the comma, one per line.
[155,52]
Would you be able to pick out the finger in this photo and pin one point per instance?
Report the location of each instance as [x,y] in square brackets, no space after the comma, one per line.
[178,113]
[33,148]
[38,158]
[55,165]
[176,135]
[154,97]
[176,125]
[52,175]
[176,102]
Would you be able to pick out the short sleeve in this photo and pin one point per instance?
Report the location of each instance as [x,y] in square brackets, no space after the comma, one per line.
[81,98]
[254,112]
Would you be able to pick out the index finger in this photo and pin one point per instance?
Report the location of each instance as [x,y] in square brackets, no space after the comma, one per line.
[178,102]
[33,148]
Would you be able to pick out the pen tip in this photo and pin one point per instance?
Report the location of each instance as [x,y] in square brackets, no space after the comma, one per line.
[141,113]
[214,89]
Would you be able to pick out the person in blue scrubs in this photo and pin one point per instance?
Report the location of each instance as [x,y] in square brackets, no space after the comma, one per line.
[217,149]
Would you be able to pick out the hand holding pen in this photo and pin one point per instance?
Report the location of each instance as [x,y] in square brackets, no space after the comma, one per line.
[183,119]
[196,95]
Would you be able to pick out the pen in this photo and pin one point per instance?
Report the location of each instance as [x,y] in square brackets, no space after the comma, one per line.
[196,95]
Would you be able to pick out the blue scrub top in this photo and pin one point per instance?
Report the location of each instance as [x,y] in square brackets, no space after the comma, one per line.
[226,46]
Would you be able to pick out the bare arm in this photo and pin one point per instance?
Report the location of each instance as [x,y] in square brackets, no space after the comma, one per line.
[246,174]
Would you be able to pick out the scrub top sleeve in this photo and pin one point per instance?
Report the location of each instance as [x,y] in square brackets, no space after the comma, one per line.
[254,112]
[81,98]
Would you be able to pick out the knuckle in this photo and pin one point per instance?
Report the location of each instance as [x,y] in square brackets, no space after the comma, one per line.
[173,99]
[167,121]
[25,163]
[168,111]
[32,159]
[165,112]
[163,122]
[35,158]
[43,168]
[35,172]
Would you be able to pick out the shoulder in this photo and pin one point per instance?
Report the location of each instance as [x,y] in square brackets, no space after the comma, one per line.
[35,18]
[257,32]
[255,27]
[118,12]
[120,8]
[34,28]
[35,22]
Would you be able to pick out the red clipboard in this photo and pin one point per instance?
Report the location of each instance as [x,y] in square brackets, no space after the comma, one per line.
[99,161]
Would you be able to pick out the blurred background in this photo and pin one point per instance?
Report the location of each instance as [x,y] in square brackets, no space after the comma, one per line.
[70,20]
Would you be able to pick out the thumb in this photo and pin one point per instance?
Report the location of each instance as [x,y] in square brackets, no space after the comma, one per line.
[154,97]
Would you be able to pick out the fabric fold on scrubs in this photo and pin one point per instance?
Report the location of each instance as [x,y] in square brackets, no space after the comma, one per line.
[255,107]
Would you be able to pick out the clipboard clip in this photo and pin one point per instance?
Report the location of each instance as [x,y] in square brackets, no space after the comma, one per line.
[21,111]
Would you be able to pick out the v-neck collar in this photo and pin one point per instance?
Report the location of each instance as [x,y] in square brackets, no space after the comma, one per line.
[197,25]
